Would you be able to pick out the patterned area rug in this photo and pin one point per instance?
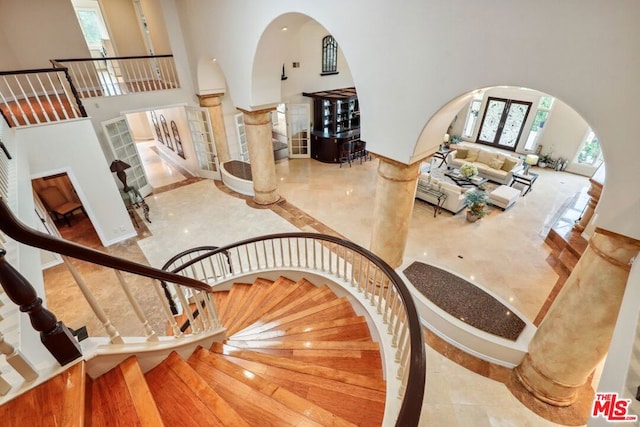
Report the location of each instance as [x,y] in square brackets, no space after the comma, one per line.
[464,300]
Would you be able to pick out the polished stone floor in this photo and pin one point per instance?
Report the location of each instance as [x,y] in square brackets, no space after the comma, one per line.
[505,252]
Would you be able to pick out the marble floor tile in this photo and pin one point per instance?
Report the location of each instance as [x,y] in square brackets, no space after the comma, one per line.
[505,252]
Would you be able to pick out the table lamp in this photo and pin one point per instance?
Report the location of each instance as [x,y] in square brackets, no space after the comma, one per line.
[445,140]
[529,161]
[119,167]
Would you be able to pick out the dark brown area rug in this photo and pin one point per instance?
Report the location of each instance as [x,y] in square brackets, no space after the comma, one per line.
[464,300]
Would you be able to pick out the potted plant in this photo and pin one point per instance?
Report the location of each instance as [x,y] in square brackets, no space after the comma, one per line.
[545,159]
[476,200]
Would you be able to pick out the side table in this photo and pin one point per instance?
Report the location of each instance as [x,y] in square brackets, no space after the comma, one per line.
[133,199]
[441,155]
[441,196]
[527,180]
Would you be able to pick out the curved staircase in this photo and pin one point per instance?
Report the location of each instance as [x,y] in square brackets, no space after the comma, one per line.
[296,354]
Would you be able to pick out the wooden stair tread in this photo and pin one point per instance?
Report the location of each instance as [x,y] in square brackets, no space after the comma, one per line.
[280,291]
[134,406]
[254,300]
[235,300]
[205,360]
[361,406]
[360,362]
[295,331]
[302,291]
[36,406]
[256,407]
[351,328]
[305,345]
[309,312]
[299,366]
[184,398]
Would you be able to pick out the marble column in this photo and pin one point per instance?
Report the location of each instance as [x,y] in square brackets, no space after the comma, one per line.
[263,167]
[575,334]
[395,191]
[213,103]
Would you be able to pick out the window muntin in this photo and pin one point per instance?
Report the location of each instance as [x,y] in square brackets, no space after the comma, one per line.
[590,152]
[472,118]
[329,55]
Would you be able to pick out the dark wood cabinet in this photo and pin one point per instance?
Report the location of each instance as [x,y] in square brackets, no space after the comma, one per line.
[336,119]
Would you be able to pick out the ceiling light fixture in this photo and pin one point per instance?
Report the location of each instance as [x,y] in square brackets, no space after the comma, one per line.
[285,28]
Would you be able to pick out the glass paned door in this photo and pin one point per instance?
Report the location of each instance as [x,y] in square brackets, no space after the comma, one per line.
[123,148]
[491,120]
[512,128]
[203,143]
[298,122]
[242,138]
[502,122]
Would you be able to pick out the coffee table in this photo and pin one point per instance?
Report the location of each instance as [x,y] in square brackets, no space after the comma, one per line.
[461,181]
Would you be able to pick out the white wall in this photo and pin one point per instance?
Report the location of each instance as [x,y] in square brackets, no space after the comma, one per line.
[73,147]
[177,114]
[38,30]
[140,126]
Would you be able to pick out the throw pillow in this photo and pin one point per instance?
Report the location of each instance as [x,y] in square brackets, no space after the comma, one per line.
[496,163]
[485,157]
[472,156]
[461,153]
[508,165]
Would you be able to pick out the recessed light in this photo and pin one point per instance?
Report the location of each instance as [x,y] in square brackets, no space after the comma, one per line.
[285,28]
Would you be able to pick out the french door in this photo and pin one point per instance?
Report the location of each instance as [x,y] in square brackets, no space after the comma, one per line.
[123,148]
[298,124]
[503,122]
[203,142]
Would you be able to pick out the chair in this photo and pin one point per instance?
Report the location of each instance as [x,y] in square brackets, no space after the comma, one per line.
[58,205]
[360,151]
[346,152]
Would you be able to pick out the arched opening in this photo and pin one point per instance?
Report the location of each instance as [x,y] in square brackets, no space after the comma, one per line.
[533,207]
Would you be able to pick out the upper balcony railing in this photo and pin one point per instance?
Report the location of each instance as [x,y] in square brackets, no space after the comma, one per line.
[31,97]
[113,76]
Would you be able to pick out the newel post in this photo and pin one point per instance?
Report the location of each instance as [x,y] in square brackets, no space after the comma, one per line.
[54,334]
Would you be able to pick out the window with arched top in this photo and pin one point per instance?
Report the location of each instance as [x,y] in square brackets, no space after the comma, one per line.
[329,56]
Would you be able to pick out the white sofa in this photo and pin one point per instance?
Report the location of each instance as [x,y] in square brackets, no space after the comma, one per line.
[494,165]
[455,195]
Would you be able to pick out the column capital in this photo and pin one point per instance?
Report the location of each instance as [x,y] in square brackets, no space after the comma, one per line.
[257,117]
[210,100]
[393,170]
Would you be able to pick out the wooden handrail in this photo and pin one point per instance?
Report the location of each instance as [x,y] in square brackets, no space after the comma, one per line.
[411,407]
[18,231]
[111,58]
[33,71]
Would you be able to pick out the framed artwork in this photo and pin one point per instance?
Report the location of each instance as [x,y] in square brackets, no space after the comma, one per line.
[156,126]
[165,129]
[176,139]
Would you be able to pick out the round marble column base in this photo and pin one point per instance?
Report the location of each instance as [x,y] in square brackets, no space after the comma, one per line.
[266,197]
[543,387]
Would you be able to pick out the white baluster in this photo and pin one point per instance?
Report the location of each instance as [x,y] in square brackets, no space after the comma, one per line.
[114,336]
[148,331]
[4,386]
[167,309]
[17,361]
